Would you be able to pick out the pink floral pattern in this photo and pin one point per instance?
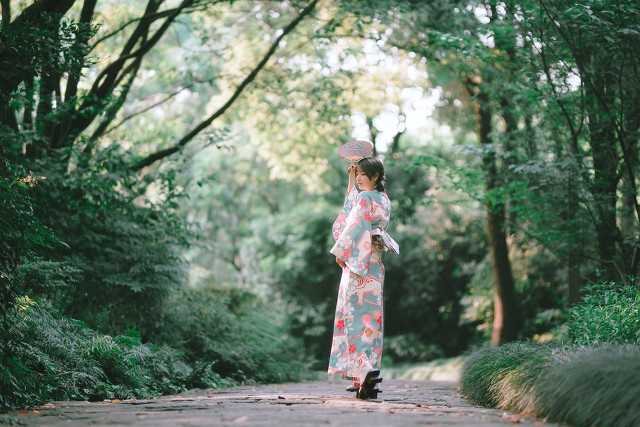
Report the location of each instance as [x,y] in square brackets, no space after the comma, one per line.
[357,336]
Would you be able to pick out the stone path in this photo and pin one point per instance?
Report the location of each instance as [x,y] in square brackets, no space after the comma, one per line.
[402,403]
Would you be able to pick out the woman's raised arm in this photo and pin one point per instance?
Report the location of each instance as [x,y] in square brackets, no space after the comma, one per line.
[352,177]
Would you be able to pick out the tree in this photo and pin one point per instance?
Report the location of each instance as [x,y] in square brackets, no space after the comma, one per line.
[598,37]
[54,120]
[60,122]
[451,37]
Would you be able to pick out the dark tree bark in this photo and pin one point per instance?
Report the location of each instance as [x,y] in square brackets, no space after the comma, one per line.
[373,134]
[86,16]
[395,142]
[507,319]
[605,179]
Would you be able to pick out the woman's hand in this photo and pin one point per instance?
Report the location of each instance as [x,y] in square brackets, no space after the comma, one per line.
[341,262]
[352,177]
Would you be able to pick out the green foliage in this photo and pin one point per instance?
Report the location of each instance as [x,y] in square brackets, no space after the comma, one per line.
[423,286]
[108,246]
[608,313]
[21,232]
[573,384]
[440,249]
[592,386]
[410,347]
[291,259]
[45,46]
[230,334]
[208,339]
[423,291]
[121,255]
[498,376]
[46,356]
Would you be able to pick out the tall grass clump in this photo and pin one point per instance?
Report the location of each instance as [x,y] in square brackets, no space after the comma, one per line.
[504,376]
[597,386]
[592,380]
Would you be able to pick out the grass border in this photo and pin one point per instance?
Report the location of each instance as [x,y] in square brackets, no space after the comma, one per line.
[583,386]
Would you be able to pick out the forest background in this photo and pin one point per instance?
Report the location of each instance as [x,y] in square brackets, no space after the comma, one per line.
[169,176]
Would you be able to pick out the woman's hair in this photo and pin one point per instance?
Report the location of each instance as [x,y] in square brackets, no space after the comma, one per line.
[372,166]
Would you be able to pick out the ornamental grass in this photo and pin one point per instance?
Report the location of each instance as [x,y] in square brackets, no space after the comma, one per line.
[583,386]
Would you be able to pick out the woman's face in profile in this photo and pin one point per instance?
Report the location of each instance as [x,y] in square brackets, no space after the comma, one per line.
[364,183]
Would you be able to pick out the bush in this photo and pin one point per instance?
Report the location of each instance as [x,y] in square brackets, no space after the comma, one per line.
[498,376]
[578,385]
[46,356]
[409,347]
[596,386]
[122,255]
[231,333]
[593,381]
[20,230]
[210,339]
[609,312]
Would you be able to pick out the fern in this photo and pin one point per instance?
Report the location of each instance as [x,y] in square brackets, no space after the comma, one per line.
[46,356]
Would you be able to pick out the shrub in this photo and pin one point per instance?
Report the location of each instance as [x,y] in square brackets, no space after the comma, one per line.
[121,254]
[20,230]
[46,356]
[230,334]
[608,312]
[596,386]
[498,376]
[210,339]
[578,385]
[409,347]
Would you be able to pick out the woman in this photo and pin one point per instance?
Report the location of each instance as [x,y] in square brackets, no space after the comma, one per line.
[360,234]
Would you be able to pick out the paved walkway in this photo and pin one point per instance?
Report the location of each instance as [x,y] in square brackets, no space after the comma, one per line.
[402,403]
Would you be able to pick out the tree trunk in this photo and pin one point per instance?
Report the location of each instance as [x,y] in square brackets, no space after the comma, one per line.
[630,212]
[605,180]
[506,322]
[373,134]
[574,281]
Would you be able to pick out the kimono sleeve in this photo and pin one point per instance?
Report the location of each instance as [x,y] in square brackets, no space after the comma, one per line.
[341,221]
[353,245]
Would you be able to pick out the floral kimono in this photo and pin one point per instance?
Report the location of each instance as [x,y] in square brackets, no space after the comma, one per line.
[360,234]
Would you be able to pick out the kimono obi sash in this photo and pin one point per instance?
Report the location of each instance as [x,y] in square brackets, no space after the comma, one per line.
[388,244]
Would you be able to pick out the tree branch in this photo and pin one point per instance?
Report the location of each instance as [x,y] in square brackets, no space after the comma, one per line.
[151,16]
[10,81]
[114,107]
[154,105]
[113,74]
[86,16]
[203,125]
[44,6]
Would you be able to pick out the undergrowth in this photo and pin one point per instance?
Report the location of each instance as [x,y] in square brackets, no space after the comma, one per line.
[592,380]
[234,332]
[46,356]
[609,312]
[579,385]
